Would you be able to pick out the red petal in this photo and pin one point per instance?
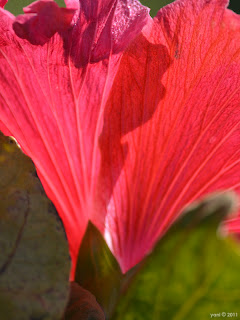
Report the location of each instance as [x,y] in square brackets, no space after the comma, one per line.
[42,19]
[3,2]
[172,124]
[52,99]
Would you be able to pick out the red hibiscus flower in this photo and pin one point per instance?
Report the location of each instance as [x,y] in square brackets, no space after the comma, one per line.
[128,119]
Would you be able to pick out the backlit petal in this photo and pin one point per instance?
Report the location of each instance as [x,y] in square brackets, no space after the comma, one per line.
[52,95]
[172,124]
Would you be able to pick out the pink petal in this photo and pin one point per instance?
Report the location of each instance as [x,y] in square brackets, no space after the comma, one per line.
[171,130]
[74,4]
[231,226]
[52,95]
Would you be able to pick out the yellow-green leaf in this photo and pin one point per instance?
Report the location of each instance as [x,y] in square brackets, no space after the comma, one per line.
[192,273]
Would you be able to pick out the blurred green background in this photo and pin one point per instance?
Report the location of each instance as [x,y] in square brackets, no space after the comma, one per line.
[15,6]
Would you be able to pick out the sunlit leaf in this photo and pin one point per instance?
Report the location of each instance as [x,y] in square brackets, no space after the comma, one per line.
[192,273]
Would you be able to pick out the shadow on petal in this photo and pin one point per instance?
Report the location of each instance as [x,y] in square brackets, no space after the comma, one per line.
[134,99]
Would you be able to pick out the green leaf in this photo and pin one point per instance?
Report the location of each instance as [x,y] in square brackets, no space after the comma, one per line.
[97,269]
[34,259]
[192,273]
[99,272]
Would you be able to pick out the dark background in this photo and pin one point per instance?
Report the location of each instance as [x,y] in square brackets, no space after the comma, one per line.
[235,6]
